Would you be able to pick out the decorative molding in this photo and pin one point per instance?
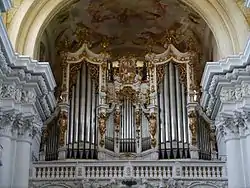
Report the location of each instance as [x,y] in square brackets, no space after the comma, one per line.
[7,119]
[228,88]
[23,68]
[223,71]
[133,183]
[232,126]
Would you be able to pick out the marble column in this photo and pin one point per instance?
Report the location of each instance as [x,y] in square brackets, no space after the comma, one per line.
[26,130]
[246,132]
[6,121]
[235,168]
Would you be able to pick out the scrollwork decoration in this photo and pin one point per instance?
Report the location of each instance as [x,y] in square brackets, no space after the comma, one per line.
[102,126]
[153,128]
[193,126]
[62,121]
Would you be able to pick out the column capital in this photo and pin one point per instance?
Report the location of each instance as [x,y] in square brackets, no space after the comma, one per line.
[246,126]
[7,119]
[27,126]
[229,125]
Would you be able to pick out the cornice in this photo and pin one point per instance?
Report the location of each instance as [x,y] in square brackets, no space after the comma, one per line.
[225,65]
[25,84]
[25,62]
[228,92]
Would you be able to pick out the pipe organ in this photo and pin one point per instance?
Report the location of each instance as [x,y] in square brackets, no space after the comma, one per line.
[128,108]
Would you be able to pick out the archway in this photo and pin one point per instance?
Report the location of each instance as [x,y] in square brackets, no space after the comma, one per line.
[228,26]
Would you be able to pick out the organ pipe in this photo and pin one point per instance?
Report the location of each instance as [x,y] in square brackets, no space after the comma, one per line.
[82,124]
[172,99]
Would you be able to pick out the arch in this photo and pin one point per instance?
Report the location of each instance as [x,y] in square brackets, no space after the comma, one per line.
[224,19]
[203,185]
[55,185]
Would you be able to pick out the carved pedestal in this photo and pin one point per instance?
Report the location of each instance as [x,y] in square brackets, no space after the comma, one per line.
[194,152]
[62,153]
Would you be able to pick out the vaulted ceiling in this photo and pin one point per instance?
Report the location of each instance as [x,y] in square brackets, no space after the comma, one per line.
[127,23]
[127,27]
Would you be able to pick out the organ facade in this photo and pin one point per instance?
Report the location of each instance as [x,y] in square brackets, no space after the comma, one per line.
[129,107]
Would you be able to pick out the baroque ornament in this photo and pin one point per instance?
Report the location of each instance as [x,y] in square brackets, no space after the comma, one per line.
[230,125]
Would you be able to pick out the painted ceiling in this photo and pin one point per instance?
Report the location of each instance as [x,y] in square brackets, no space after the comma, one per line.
[126,23]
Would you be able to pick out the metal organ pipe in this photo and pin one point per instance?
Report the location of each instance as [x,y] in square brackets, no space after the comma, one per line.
[184,111]
[72,115]
[77,100]
[82,126]
[172,101]
[83,102]
[166,103]
[178,104]
[173,114]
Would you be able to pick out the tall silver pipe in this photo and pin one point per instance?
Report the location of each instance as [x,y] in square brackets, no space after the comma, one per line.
[83,102]
[122,122]
[133,127]
[166,103]
[163,132]
[172,100]
[72,114]
[77,106]
[88,108]
[93,113]
[125,119]
[184,112]
[128,118]
[178,104]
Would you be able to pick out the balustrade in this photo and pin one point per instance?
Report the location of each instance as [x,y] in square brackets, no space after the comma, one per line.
[133,169]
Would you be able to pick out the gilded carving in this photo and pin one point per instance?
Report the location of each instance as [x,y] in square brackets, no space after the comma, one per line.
[63,121]
[138,120]
[117,120]
[193,126]
[102,127]
[153,128]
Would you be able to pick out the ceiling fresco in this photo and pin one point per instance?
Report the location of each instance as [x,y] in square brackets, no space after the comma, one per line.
[137,23]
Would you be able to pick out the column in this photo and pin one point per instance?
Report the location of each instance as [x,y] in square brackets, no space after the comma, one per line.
[235,167]
[26,130]
[245,130]
[5,150]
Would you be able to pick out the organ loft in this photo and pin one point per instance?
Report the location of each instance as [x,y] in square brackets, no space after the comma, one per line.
[129,105]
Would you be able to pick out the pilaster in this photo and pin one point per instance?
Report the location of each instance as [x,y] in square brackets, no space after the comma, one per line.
[229,128]
[26,127]
[6,122]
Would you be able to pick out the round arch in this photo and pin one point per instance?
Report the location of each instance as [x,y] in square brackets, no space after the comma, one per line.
[202,184]
[55,185]
[224,19]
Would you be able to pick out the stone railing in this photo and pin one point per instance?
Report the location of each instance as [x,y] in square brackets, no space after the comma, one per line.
[56,170]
